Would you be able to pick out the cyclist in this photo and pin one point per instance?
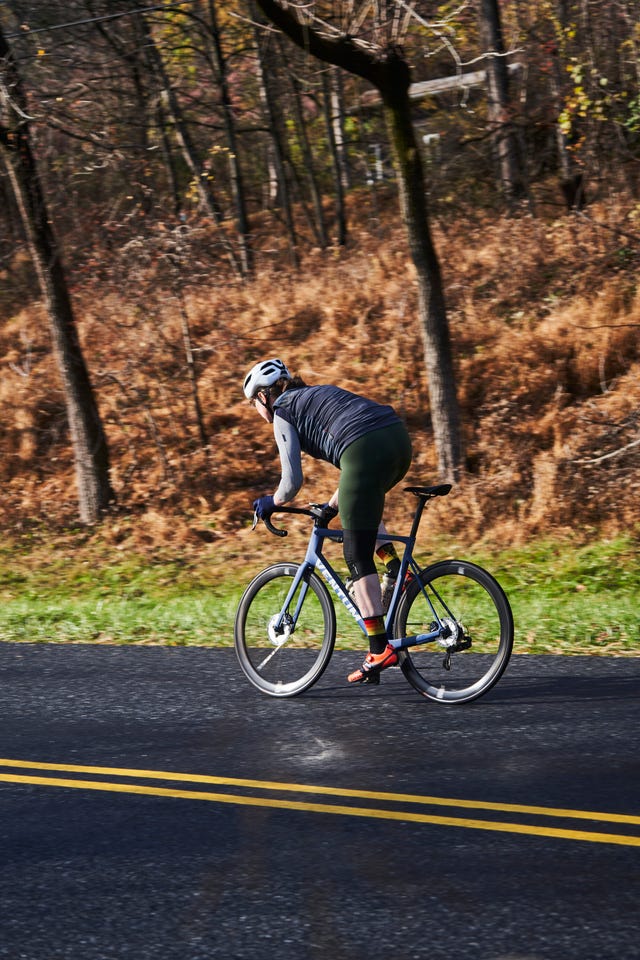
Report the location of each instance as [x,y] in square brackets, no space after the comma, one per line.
[371,447]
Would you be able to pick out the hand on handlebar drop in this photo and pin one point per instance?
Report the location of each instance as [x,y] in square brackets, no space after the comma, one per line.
[324,512]
[263,507]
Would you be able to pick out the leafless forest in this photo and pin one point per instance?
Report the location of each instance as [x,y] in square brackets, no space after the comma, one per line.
[185,189]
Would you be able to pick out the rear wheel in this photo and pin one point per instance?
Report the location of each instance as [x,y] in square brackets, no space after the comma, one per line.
[477,640]
[284,650]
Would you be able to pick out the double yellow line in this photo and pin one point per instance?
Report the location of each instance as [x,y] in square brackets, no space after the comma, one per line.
[266,793]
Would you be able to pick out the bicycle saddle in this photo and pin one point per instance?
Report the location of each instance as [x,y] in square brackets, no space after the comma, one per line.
[441,490]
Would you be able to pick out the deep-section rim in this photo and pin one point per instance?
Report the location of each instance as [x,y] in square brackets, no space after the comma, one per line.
[295,687]
[439,693]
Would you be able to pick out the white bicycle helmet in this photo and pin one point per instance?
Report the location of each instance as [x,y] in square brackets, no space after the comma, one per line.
[263,375]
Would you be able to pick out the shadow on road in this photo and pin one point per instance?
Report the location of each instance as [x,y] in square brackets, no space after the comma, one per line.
[528,679]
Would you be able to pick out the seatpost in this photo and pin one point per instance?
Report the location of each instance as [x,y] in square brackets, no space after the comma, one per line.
[417,516]
[423,494]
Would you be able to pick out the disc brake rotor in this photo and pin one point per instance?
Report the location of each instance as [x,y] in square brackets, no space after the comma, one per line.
[279,629]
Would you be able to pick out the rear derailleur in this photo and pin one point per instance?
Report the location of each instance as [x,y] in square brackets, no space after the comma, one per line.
[452,638]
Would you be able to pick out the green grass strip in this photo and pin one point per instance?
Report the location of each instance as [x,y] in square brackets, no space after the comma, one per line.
[566,598]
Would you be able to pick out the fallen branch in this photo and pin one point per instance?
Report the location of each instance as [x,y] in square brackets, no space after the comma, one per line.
[608,456]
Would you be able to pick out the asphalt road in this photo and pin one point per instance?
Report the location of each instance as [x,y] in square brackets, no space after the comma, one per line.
[151,806]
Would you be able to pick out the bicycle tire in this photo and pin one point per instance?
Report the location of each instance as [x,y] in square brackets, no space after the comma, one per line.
[287,663]
[477,610]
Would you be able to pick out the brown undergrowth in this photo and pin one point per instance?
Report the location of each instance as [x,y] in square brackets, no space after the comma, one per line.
[545,324]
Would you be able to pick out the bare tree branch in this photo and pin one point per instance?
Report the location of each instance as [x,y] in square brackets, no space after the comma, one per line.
[613,453]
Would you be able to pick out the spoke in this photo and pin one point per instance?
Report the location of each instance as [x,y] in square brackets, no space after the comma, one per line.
[266,660]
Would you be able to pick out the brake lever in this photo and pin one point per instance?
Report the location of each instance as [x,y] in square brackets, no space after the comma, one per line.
[267,522]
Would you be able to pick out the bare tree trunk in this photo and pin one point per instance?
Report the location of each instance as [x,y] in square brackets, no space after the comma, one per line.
[503,133]
[89,443]
[571,178]
[137,60]
[338,155]
[431,302]
[235,171]
[279,156]
[189,152]
[337,123]
[318,224]
[169,163]
[193,376]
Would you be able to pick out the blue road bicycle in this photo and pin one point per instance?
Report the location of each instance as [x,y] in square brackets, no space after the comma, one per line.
[450,622]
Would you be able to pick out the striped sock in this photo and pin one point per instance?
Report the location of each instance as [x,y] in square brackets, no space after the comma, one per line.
[376,634]
[387,553]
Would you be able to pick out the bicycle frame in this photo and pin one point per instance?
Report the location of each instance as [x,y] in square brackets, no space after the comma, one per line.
[316,560]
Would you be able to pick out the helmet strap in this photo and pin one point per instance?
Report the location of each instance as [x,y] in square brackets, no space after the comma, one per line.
[269,403]
[266,404]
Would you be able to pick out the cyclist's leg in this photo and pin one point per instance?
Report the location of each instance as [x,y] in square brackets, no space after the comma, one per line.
[386,552]
[359,546]
[368,595]
[369,468]
[385,548]
[358,553]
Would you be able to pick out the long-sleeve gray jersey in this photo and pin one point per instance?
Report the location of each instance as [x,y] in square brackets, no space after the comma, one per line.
[321,421]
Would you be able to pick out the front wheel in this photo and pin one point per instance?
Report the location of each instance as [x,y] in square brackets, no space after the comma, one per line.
[477,627]
[283,648]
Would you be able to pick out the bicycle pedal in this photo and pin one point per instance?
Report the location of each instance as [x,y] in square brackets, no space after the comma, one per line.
[372,678]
